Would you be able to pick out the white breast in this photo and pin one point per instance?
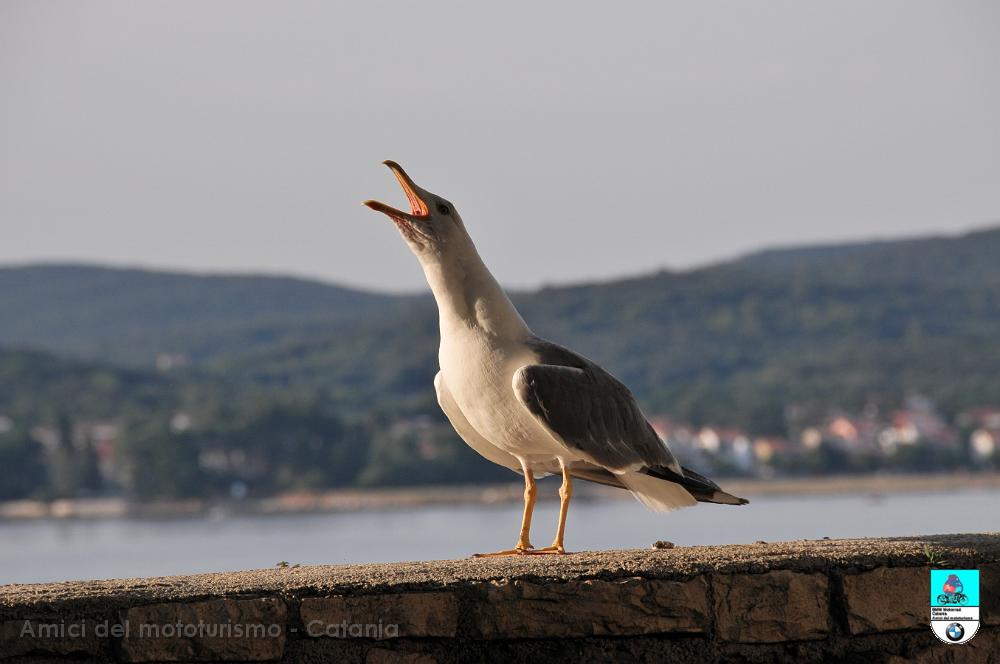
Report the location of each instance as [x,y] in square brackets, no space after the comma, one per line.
[478,369]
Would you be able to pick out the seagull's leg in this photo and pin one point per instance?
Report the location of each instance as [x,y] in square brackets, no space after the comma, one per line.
[565,493]
[523,543]
[530,493]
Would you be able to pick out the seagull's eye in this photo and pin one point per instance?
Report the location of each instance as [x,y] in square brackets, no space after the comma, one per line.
[443,209]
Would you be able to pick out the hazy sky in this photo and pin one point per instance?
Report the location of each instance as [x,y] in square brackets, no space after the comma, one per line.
[578,140]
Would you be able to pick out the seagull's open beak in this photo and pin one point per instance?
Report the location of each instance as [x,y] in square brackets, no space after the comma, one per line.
[418,209]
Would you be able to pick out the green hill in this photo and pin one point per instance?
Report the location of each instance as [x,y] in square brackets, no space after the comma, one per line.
[128,316]
[964,259]
[820,327]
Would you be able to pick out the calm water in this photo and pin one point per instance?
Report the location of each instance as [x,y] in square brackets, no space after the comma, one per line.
[52,550]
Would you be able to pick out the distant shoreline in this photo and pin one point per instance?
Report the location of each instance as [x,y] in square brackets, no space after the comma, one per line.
[357,500]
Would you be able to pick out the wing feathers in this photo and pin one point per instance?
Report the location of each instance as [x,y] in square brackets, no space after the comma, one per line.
[703,489]
[589,411]
[656,494]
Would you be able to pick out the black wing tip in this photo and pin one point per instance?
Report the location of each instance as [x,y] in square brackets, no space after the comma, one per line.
[722,498]
[703,489]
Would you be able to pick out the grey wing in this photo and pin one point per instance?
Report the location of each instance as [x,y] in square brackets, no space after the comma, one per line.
[467,432]
[590,411]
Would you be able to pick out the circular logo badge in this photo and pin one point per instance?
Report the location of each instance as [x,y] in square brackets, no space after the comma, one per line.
[955,632]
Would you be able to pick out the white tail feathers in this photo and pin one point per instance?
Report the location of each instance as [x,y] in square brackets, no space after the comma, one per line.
[656,494]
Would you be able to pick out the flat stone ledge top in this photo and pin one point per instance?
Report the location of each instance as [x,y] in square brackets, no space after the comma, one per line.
[676,563]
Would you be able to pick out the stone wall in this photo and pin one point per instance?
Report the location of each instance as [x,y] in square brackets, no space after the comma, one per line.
[828,600]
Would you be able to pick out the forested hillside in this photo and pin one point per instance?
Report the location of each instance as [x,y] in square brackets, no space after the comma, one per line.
[128,316]
[290,384]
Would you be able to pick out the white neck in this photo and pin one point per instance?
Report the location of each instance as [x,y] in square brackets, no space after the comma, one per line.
[468,295]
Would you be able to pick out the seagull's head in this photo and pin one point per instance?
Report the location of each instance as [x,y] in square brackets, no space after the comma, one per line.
[432,227]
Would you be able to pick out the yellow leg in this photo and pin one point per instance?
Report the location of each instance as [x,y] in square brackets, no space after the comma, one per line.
[530,493]
[523,542]
[565,493]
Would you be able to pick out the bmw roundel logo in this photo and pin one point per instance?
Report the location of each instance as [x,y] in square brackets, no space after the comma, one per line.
[955,631]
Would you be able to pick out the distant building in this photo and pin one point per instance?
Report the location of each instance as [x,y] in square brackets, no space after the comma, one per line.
[684,443]
[170,361]
[767,449]
[811,438]
[104,437]
[854,434]
[919,422]
[983,445]
[984,417]
[984,441]
[180,422]
[46,436]
[709,440]
[730,445]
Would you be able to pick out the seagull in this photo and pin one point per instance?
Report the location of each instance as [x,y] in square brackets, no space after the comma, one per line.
[523,402]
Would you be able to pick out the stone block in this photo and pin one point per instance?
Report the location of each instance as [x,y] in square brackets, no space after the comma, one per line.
[56,636]
[989,593]
[382,656]
[982,649]
[888,599]
[771,607]
[216,630]
[433,614]
[633,606]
